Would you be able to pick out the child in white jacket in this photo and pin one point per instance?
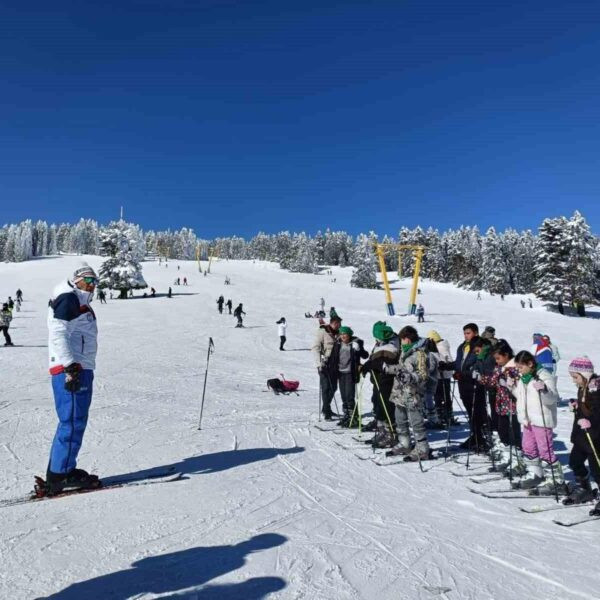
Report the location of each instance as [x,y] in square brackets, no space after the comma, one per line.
[537,398]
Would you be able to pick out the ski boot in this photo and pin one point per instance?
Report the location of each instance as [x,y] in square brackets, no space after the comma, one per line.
[372,426]
[554,481]
[384,438]
[581,493]
[403,448]
[76,479]
[595,512]
[421,451]
[534,476]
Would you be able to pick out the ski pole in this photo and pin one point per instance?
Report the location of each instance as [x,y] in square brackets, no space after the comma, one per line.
[448,418]
[357,411]
[320,396]
[211,349]
[589,438]
[547,442]
[385,410]
[491,434]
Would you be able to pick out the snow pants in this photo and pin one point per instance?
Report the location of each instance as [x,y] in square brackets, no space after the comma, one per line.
[508,437]
[4,330]
[72,411]
[382,390]
[347,391]
[282,340]
[537,443]
[577,460]
[473,398]
[443,399]
[328,387]
[411,415]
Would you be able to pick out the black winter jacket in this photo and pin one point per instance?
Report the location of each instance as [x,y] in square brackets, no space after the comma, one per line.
[588,407]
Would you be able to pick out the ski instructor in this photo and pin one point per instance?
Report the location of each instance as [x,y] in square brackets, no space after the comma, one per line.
[72,346]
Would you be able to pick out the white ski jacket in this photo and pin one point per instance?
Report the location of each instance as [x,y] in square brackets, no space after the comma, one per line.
[531,403]
[72,329]
[281,329]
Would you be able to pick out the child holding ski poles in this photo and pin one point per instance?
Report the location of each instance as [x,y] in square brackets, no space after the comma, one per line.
[537,399]
[507,452]
[585,435]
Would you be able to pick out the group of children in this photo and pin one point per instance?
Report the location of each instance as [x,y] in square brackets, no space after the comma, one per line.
[412,391]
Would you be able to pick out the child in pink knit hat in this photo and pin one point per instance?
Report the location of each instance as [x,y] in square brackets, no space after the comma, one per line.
[585,435]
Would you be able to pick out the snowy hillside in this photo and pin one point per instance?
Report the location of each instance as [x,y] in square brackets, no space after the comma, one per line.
[269,506]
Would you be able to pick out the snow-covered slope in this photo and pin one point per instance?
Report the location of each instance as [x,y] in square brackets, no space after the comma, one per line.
[269,504]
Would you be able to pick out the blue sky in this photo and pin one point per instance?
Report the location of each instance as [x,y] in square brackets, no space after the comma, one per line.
[233,117]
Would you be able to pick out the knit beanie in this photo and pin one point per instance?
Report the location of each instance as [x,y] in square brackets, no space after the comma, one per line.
[435,336]
[582,365]
[345,329]
[84,270]
[382,331]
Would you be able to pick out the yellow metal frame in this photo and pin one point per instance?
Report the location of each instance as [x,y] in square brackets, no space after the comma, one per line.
[419,252]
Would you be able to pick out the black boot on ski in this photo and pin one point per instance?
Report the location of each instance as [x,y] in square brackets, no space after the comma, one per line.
[76,479]
[595,512]
[581,493]
[372,426]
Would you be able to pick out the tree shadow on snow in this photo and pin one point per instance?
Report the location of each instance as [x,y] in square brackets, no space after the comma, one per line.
[217,461]
[159,295]
[184,570]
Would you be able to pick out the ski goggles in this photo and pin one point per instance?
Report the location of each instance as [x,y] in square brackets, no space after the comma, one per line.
[90,280]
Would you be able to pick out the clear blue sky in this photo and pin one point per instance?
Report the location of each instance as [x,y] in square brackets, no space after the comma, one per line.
[237,116]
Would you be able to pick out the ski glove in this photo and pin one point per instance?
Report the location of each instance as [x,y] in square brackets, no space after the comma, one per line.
[356,346]
[476,375]
[573,404]
[72,383]
[538,385]
[584,424]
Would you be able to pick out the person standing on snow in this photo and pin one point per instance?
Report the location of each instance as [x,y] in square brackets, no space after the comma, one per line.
[443,397]
[5,319]
[19,295]
[237,313]
[72,347]
[220,303]
[325,339]
[229,305]
[420,314]
[281,329]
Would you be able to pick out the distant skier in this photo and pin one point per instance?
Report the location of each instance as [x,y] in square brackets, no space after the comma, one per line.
[478,295]
[19,295]
[281,330]
[152,292]
[18,305]
[530,303]
[170,293]
[220,303]
[420,314]
[72,346]
[522,303]
[11,303]
[102,296]
[5,319]
[185,281]
[322,303]
[229,305]
[237,313]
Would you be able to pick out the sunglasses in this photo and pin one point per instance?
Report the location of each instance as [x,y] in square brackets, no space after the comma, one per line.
[90,280]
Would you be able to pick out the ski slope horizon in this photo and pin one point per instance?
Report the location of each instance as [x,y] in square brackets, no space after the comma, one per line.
[270,506]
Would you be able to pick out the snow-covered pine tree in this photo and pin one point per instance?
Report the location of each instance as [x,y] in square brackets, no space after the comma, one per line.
[305,259]
[580,280]
[552,259]
[364,262]
[121,270]
[494,268]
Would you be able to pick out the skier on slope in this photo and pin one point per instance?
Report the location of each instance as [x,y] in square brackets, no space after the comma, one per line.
[281,330]
[465,360]
[5,319]
[484,365]
[19,295]
[420,314]
[411,375]
[542,351]
[537,399]
[585,435]
[385,351]
[72,346]
[237,313]
[322,347]
[443,396]
[343,366]
[229,305]
[220,302]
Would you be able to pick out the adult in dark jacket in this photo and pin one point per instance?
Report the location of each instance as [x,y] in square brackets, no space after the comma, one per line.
[463,373]
[220,303]
[237,313]
[385,351]
[586,422]
[343,366]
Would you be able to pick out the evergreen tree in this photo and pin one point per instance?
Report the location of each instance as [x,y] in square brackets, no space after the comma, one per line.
[304,255]
[552,260]
[364,262]
[495,272]
[121,270]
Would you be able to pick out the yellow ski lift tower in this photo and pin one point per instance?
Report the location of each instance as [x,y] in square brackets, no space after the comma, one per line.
[419,251]
[212,254]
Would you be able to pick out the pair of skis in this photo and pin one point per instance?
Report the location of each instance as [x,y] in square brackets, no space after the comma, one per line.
[109,483]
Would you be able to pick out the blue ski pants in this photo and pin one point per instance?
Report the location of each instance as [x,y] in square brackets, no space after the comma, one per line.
[72,411]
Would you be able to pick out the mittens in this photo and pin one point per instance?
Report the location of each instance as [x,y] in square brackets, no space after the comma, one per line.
[538,385]
[584,424]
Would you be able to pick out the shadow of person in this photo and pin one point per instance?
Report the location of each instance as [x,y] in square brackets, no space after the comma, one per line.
[213,462]
[181,570]
[256,588]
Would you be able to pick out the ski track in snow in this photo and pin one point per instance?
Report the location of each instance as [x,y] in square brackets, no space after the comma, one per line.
[351,530]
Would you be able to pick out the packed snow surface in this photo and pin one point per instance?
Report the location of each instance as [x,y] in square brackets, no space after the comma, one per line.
[269,505]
